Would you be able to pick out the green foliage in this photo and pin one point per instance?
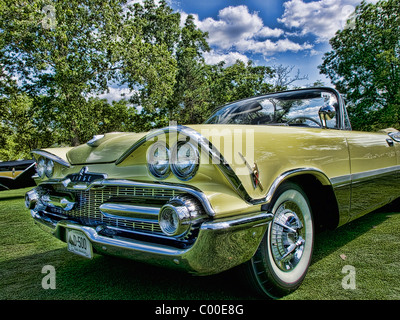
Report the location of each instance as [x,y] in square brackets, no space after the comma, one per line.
[59,52]
[364,64]
[239,81]
[191,99]
[15,127]
[150,66]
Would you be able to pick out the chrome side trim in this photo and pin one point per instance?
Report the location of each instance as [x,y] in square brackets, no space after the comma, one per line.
[15,177]
[289,174]
[349,179]
[373,174]
[51,157]
[341,181]
[26,169]
[237,222]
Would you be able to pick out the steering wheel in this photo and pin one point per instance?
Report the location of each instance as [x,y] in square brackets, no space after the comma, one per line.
[305,118]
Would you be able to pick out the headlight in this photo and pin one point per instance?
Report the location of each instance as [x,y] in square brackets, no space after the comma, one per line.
[158,160]
[41,165]
[45,167]
[185,160]
[49,168]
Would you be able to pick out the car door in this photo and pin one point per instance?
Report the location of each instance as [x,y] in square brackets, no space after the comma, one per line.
[374,171]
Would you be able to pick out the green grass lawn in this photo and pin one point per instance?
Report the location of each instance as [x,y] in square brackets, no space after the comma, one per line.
[371,245]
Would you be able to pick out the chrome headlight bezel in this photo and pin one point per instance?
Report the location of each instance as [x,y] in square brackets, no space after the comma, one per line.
[45,167]
[169,221]
[49,168]
[41,167]
[178,163]
[163,170]
[180,216]
[175,217]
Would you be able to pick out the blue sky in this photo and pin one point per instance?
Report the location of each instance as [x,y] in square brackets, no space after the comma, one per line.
[270,32]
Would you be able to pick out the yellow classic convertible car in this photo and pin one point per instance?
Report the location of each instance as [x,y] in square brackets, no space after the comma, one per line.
[249,187]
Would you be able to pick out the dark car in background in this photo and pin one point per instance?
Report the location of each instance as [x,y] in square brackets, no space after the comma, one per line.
[16,174]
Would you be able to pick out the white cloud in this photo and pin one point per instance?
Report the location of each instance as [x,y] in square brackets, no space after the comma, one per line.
[321,18]
[234,24]
[237,29]
[141,2]
[230,58]
[116,94]
[267,32]
[269,47]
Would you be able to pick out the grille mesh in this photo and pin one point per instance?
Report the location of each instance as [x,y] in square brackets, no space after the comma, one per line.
[88,203]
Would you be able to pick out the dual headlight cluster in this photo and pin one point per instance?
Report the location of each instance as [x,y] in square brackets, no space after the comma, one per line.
[183,160]
[45,167]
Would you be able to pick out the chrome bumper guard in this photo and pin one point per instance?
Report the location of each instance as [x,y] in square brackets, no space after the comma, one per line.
[221,243]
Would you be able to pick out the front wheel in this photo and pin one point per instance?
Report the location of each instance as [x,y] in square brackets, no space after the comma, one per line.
[281,261]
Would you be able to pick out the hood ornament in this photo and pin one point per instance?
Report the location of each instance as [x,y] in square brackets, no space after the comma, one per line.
[94,142]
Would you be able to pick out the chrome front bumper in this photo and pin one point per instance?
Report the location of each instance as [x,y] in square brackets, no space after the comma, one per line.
[221,243]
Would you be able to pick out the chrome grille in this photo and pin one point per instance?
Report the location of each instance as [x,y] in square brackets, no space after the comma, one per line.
[88,203]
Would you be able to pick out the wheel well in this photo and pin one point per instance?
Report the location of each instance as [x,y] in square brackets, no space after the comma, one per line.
[322,200]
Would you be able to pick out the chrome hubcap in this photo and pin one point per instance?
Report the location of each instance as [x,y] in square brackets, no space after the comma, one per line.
[287,237]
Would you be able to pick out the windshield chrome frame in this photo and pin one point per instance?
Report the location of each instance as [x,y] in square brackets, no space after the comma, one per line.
[341,108]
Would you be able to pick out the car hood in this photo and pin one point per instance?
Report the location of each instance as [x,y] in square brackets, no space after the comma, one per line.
[105,149]
[110,147]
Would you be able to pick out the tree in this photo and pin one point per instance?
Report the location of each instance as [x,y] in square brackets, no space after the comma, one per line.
[16,127]
[239,81]
[282,77]
[60,54]
[64,52]
[191,94]
[149,67]
[364,64]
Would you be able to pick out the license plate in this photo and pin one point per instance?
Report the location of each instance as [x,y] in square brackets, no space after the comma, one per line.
[79,244]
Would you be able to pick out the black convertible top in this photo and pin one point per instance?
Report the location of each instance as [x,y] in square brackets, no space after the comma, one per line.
[17,164]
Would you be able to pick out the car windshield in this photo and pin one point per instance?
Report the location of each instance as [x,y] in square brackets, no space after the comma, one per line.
[291,108]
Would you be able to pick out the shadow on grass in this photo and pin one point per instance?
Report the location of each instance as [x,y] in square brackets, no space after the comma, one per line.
[11,198]
[109,278]
[329,241]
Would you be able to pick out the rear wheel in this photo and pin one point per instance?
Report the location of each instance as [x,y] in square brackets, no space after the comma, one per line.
[281,261]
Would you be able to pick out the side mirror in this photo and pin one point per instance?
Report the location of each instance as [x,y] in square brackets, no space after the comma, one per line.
[326,113]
